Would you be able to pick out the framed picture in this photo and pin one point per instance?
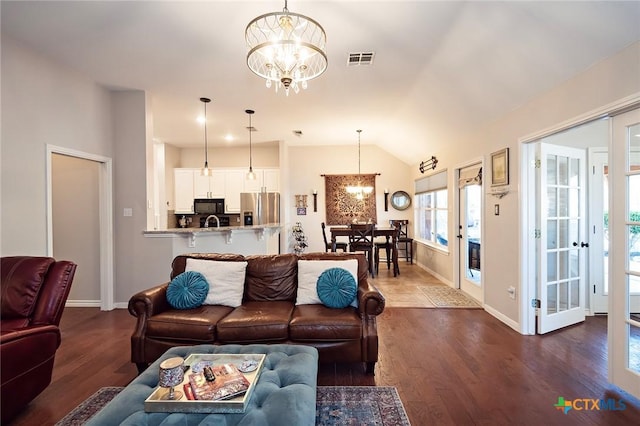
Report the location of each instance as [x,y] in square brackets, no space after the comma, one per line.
[500,167]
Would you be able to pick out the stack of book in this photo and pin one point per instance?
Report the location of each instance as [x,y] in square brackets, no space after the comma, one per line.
[223,382]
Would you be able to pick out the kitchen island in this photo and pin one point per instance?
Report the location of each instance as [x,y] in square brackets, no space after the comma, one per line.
[246,240]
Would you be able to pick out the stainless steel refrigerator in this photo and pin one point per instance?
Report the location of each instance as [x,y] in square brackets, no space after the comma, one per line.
[259,208]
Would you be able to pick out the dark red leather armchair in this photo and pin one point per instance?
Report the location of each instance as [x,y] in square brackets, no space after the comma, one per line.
[34,292]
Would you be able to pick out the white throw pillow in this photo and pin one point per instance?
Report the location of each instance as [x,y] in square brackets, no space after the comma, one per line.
[226,280]
[310,270]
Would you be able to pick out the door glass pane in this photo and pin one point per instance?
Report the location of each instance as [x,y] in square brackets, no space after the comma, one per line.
[563,202]
[563,171]
[552,267]
[563,265]
[574,264]
[552,202]
[563,301]
[563,233]
[575,294]
[634,347]
[634,198]
[634,147]
[552,299]
[634,248]
[552,234]
[574,202]
[551,170]
[574,170]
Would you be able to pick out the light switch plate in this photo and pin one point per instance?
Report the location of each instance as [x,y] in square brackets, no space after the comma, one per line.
[128,211]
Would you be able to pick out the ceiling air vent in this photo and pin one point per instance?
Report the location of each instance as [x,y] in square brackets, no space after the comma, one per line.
[362,58]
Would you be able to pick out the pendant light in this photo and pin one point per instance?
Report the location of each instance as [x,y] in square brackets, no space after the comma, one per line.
[358,190]
[251,175]
[206,171]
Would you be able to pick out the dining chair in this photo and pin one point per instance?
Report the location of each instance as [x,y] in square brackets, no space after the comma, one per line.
[390,246]
[361,239]
[405,243]
[328,245]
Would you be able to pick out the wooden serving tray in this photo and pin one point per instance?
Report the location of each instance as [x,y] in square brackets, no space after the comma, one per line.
[155,404]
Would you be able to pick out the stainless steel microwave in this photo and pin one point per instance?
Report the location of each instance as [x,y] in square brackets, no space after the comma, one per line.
[208,206]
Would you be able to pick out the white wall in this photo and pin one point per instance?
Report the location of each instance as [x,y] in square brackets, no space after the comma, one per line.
[263,156]
[42,104]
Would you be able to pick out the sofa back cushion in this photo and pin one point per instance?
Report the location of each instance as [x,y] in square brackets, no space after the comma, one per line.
[271,277]
[21,283]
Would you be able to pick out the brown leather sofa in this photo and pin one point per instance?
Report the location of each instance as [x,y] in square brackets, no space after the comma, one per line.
[268,314]
[34,292]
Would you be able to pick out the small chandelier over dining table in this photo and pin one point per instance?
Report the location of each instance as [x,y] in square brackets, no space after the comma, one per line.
[287,49]
[359,191]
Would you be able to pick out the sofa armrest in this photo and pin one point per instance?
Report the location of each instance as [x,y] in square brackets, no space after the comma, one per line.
[149,302]
[23,350]
[370,300]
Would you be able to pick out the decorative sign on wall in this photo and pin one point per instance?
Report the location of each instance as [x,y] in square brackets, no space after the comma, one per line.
[301,205]
[344,208]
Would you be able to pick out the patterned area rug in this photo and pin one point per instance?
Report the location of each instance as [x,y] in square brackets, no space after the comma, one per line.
[443,296]
[90,406]
[336,405]
[360,405]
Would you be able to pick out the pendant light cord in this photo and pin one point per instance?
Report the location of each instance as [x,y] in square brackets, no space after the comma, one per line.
[206,139]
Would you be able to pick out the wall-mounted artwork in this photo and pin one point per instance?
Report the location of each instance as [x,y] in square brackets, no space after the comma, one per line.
[500,167]
[344,208]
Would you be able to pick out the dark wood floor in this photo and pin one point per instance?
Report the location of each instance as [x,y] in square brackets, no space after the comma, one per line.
[450,366]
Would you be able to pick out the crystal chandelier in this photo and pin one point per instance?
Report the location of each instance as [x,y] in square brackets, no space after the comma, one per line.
[287,49]
[358,190]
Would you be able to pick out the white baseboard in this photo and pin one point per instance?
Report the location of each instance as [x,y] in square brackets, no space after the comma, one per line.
[503,318]
[82,303]
[435,274]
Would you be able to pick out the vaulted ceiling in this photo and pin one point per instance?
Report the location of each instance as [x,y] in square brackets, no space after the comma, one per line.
[441,70]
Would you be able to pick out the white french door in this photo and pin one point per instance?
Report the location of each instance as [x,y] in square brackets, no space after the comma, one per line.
[624,254]
[599,230]
[562,241]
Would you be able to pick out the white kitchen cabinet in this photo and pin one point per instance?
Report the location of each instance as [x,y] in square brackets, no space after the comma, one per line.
[271,180]
[267,180]
[234,185]
[212,186]
[224,183]
[183,190]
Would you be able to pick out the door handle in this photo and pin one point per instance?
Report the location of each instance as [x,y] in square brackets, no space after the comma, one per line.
[575,244]
[459,236]
[584,244]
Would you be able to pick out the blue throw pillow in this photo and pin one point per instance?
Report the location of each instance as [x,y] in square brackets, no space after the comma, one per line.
[187,290]
[336,288]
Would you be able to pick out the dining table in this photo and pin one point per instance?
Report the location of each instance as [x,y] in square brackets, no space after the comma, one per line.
[389,232]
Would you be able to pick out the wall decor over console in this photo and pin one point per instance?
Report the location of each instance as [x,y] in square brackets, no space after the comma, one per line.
[343,208]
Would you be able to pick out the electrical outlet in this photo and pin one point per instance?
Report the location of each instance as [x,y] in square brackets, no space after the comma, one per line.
[512,292]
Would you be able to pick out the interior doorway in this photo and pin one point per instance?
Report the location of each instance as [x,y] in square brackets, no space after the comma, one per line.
[80,222]
[470,230]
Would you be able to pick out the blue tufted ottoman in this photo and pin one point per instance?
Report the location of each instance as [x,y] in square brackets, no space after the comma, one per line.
[284,395]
